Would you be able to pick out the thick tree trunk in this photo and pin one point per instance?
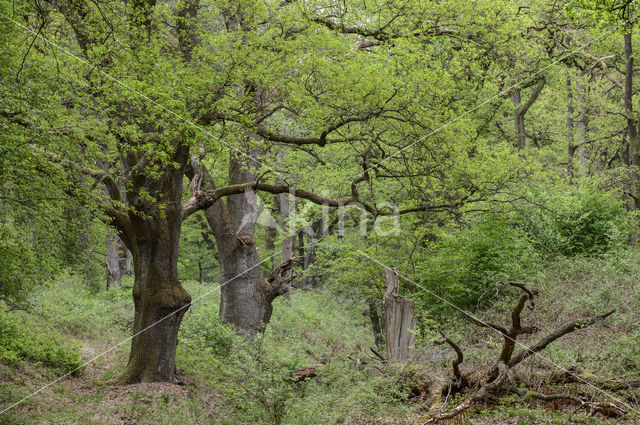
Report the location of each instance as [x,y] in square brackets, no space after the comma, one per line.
[245,294]
[244,302]
[159,298]
[152,233]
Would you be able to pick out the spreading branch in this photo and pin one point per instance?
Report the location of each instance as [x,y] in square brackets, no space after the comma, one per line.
[381,34]
[204,199]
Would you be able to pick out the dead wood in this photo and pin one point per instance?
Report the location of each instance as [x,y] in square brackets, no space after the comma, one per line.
[400,323]
[460,382]
[507,360]
[605,409]
[306,373]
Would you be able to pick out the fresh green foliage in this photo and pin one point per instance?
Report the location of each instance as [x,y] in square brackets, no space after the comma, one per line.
[21,339]
[576,221]
[474,143]
[463,270]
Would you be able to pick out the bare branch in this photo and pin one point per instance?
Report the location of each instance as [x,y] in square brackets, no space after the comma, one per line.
[459,356]
[566,329]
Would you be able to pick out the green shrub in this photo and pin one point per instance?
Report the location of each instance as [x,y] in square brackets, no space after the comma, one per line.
[21,339]
[592,225]
[576,221]
[70,304]
[465,267]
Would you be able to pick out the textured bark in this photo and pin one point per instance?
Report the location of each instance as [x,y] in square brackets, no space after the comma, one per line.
[114,273]
[245,295]
[400,324]
[159,298]
[376,323]
[151,231]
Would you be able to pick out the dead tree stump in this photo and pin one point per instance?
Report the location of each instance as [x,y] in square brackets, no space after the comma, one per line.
[400,324]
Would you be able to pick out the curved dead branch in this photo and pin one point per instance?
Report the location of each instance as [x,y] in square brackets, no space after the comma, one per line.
[480,395]
[459,356]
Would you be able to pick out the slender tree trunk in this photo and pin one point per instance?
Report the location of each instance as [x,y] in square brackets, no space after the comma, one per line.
[571,147]
[633,136]
[519,112]
[518,119]
[114,273]
[582,126]
[125,260]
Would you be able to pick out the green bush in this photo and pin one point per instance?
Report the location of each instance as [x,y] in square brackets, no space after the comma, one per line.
[21,339]
[464,268]
[72,305]
[592,225]
[576,221]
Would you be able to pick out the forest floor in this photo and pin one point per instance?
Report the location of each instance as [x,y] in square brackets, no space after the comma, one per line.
[225,379]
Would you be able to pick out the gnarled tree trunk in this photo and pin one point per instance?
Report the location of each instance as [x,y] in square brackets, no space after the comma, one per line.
[152,233]
[159,298]
[245,294]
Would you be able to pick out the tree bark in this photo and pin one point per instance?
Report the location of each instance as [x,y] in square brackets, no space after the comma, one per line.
[159,298]
[114,273]
[520,111]
[245,295]
[582,126]
[571,147]
[399,322]
[376,323]
[518,119]
[151,231]
[633,136]
[125,260]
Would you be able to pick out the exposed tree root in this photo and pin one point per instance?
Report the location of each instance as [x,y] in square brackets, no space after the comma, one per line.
[606,409]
